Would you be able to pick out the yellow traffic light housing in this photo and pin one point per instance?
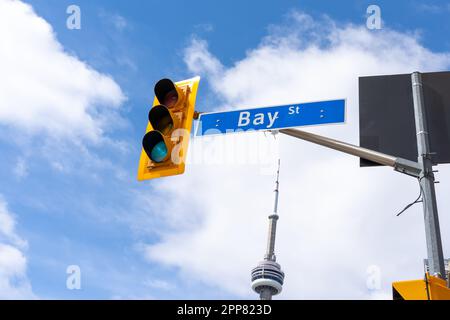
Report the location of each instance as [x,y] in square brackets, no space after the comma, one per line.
[430,288]
[164,146]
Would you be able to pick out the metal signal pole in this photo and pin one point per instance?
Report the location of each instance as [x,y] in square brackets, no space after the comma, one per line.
[426,181]
[423,170]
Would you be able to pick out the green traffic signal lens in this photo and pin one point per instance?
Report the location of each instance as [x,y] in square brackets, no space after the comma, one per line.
[155,147]
[159,152]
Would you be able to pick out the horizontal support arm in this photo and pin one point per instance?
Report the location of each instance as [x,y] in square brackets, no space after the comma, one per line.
[399,164]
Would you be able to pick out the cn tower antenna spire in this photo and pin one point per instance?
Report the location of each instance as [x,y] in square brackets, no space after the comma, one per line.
[270,253]
[267,277]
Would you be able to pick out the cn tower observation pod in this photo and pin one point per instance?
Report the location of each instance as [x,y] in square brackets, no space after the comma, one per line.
[267,279]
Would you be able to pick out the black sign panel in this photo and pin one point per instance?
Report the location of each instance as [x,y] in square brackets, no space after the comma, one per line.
[386,115]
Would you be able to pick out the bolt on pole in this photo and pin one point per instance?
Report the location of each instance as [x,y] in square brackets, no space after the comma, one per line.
[426,181]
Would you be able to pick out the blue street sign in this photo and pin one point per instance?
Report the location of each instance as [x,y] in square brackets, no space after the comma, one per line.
[271,118]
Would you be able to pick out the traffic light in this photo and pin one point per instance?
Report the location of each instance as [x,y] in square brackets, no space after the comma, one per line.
[430,288]
[164,146]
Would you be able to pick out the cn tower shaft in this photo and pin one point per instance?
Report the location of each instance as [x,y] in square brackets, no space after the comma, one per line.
[267,277]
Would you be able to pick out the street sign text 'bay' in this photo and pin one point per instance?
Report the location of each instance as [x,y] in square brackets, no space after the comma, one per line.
[272,118]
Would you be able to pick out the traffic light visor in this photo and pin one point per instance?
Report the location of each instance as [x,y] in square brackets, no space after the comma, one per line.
[155,146]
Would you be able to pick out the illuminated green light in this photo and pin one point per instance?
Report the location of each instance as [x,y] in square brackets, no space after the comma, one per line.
[159,152]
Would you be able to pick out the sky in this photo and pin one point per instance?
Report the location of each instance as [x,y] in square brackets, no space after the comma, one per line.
[73,111]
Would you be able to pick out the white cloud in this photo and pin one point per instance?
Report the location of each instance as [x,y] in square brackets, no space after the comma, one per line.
[159,284]
[8,225]
[336,219]
[21,168]
[434,8]
[199,59]
[45,89]
[116,20]
[14,283]
[119,22]
[204,27]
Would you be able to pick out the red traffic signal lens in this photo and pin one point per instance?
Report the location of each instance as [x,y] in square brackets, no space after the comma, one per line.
[171,98]
[166,92]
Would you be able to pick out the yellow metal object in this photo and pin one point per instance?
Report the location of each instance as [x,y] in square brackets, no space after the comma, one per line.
[178,140]
[430,288]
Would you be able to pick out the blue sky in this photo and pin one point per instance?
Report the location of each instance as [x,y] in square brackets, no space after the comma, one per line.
[76,201]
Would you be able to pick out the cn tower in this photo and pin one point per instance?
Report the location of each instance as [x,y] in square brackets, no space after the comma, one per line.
[267,277]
